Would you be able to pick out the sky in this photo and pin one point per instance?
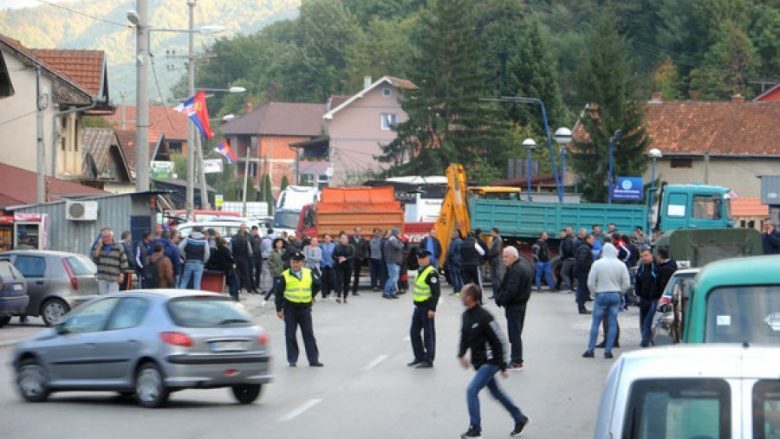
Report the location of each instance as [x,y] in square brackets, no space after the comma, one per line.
[16,4]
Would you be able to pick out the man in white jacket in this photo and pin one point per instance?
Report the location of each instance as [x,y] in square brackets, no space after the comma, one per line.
[608,279]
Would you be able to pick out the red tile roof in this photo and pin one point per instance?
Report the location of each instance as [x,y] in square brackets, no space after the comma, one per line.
[748,207]
[773,94]
[162,120]
[127,143]
[85,67]
[18,186]
[279,119]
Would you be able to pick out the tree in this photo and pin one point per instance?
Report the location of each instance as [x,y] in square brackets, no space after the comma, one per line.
[448,121]
[666,80]
[764,33]
[607,86]
[729,64]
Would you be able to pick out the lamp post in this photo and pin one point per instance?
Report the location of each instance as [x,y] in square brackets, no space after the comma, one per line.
[529,144]
[610,179]
[654,154]
[563,137]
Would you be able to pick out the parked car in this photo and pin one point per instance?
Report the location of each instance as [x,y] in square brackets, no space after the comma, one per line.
[147,343]
[702,392]
[226,228]
[56,281]
[13,291]
[668,325]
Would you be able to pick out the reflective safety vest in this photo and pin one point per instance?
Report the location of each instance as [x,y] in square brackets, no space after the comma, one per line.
[298,291]
[422,291]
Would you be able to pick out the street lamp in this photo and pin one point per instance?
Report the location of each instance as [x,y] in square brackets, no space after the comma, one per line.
[529,144]
[654,154]
[563,137]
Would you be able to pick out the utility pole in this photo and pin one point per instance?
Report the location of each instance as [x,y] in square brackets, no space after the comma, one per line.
[142,98]
[190,203]
[41,102]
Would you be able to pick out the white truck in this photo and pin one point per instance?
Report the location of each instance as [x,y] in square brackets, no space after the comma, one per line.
[289,207]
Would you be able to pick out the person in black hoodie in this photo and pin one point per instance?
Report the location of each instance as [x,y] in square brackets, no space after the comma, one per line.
[646,287]
[583,258]
[471,253]
[513,294]
[222,260]
[343,256]
[481,334]
[666,268]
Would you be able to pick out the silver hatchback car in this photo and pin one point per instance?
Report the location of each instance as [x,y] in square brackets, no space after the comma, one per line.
[147,343]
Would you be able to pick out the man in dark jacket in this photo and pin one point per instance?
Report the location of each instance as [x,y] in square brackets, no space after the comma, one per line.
[770,238]
[394,256]
[432,244]
[666,268]
[481,334]
[583,260]
[646,287]
[566,253]
[241,249]
[362,253]
[427,290]
[257,259]
[141,255]
[343,257]
[454,262]
[494,258]
[196,252]
[470,259]
[543,265]
[513,295]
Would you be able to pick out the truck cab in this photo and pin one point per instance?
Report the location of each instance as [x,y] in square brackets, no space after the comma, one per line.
[691,206]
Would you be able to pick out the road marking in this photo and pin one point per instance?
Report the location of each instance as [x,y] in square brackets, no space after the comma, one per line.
[375,362]
[301,409]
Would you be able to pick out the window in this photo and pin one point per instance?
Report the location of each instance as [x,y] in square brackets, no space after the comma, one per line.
[128,314]
[766,410]
[31,266]
[706,207]
[743,314]
[678,408]
[90,317]
[386,92]
[388,121]
[81,266]
[207,312]
[681,163]
[677,206]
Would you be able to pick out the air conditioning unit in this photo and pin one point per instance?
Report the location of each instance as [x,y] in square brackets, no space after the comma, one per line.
[81,210]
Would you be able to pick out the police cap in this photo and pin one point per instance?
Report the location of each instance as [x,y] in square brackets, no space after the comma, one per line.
[298,256]
[423,254]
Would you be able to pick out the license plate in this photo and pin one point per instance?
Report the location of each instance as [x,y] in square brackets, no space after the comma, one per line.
[18,287]
[226,346]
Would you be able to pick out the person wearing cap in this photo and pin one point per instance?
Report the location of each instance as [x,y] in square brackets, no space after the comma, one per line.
[426,295]
[296,288]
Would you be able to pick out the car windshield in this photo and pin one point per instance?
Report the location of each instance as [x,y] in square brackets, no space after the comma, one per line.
[207,312]
[81,266]
[286,219]
[678,408]
[737,314]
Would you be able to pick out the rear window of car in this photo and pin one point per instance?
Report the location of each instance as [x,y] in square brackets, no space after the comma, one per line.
[738,314]
[766,409]
[207,312]
[678,408]
[80,265]
[8,272]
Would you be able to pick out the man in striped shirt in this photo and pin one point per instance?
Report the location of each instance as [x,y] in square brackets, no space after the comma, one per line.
[111,261]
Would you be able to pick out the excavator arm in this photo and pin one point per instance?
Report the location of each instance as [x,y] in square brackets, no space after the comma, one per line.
[454,214]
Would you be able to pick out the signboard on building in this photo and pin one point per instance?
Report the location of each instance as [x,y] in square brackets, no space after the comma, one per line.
[628,188]
[162,170]
[213,166]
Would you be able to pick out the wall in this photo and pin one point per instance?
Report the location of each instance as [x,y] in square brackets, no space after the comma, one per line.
[740,175]
[69,146]
[356,134]
[274,156]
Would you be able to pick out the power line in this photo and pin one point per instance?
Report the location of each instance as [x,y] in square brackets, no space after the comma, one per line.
[159,91]
[14,119]
[116,23]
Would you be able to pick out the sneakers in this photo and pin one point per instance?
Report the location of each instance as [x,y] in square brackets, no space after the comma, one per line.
[520,427]
[424,365]
[414,363]
[584,311]
[516,366]
[608,355]
[317,364]
[338,299]
[588,354]
[471,433]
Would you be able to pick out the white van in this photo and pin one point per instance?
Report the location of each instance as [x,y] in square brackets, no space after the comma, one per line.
[692,392]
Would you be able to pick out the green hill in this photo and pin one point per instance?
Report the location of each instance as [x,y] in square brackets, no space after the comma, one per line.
[47,26]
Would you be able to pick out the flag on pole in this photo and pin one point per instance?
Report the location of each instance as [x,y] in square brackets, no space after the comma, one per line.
[224,150]
[195,109]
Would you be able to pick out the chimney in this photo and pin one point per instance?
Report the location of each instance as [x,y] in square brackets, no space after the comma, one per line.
[367,81]
[738,99]
[656,98]
[249,107]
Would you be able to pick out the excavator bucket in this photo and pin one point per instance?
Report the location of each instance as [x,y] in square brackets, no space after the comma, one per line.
[454,214]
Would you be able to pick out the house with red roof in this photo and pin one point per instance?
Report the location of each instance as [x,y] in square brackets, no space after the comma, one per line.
[163,121]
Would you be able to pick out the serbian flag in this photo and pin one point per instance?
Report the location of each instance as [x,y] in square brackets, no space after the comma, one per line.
[224,150]
[195,108]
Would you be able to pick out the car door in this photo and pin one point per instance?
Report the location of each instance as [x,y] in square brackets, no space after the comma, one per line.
[120,343]
[33,268]
[72,355]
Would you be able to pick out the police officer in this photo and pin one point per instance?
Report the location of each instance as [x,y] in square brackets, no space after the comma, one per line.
[294,307]
[426,296]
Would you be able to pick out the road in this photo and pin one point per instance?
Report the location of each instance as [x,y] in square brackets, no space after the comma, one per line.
[364,390]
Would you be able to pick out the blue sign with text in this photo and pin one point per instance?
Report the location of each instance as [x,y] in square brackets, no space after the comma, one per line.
[628,188]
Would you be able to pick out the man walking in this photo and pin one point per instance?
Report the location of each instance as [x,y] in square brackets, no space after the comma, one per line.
[567,250]
[427,291]
[362,252]
[513,294]
[608,279]
[432,244]
[543,265]
[257,258]
[111,261]
[375,253]
[494,256]
[583,261]
[241,249]
[343,256]
[296,288]
[394,255]
[481,334]
[196,252]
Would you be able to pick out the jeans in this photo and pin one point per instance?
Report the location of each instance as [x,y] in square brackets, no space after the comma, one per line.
[106,287]
[233,284]
[515,319]
[646,314]
[496,273]
[567,273]
[391,285]
[192,270]
[455,278]
[424,347]
[583,294]
[545,267]
[376,273]
[605,305]
[485,377]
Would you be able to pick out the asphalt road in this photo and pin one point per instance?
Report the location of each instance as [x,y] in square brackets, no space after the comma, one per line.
[364,390]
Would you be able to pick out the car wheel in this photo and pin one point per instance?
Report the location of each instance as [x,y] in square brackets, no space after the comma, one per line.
[246,393]
[53,310]
[4,320]
[150,389]
[32,381]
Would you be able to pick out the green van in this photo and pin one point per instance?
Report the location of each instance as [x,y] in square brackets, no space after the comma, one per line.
[735,301]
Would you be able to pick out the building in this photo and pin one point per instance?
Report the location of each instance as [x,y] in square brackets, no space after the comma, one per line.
[263,138]
[71,84]
[770,95]
[158,150]
[104,163]
[356,128]
[163,121]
